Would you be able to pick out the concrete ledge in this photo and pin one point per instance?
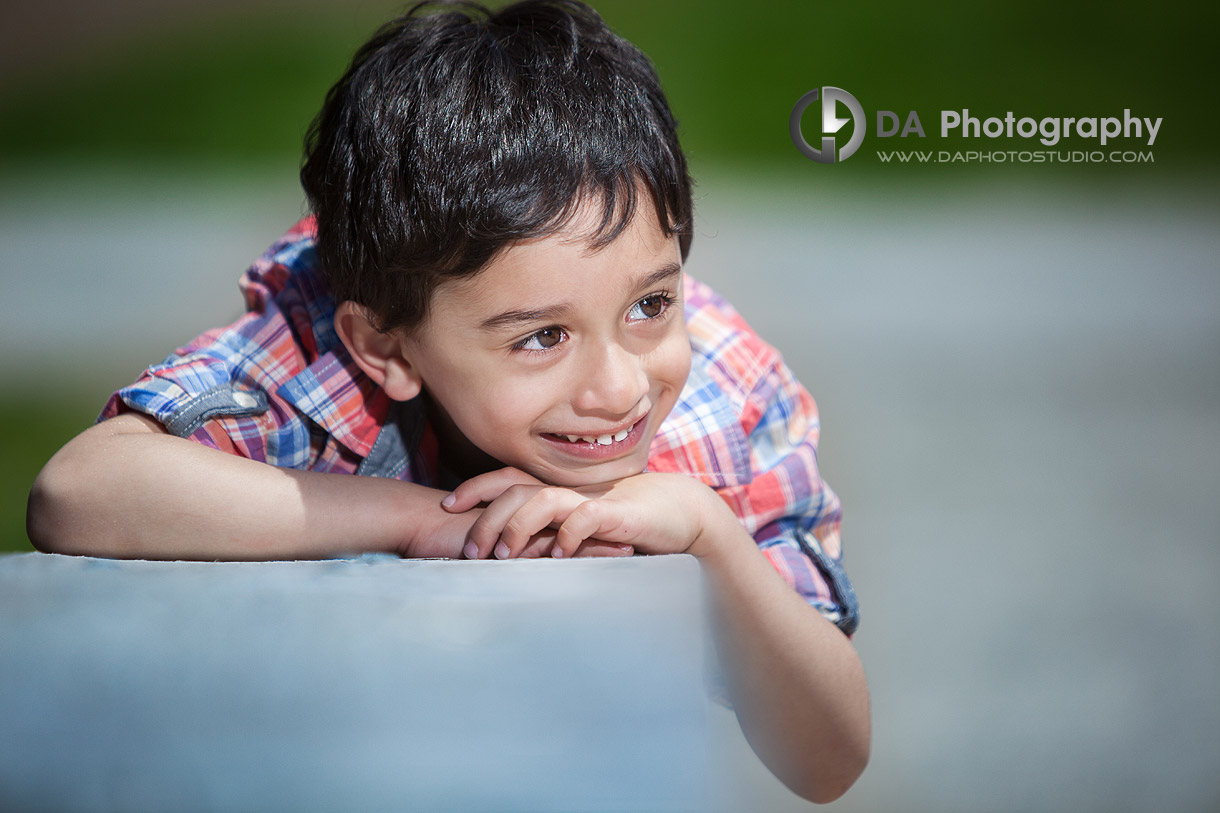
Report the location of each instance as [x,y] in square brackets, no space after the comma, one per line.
[357,684]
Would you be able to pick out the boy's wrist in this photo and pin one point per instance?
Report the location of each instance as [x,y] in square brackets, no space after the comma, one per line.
[719,533]
[420,527]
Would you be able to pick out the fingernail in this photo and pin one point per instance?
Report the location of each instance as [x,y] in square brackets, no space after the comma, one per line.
[501,550]
[449,500]
[557,552]
[471,550]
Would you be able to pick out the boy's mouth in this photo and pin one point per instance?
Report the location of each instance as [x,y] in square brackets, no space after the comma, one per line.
[596,446]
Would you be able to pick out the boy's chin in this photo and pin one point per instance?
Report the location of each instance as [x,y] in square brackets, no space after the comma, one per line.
[607,472]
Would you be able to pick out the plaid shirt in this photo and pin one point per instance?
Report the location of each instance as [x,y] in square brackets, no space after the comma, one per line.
[278,386]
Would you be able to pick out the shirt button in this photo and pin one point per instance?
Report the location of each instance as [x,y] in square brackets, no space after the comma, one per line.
[245,400]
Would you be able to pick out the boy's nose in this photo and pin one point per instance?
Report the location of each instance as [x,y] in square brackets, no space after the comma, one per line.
[613,381]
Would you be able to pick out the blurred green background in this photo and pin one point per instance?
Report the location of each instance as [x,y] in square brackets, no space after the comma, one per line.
[186,85]
[133,89]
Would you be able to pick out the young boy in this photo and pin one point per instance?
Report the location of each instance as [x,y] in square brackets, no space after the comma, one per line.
[487,314]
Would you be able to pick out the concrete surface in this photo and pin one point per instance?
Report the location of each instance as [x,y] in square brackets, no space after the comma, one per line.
[365,684]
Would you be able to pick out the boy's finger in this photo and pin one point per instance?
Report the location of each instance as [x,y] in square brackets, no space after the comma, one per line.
[591,518]
[485,488]
[594,547]
[539,545]
[547,505]
[485,532]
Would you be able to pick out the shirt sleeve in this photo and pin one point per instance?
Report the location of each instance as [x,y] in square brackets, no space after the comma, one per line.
[217,394]
[224,389]
[792,513]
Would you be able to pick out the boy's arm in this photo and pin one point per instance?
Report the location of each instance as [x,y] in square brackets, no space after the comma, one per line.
[797,684]
[126,488]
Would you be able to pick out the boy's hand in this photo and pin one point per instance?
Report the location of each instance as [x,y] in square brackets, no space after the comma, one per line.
[454,537]
[445,540]
[656,513]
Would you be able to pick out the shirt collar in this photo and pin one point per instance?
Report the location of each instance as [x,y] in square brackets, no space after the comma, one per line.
[336,394]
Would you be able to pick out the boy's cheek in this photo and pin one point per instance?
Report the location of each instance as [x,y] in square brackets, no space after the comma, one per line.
[676,360]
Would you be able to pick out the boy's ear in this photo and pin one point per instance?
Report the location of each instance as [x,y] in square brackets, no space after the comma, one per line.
[379,355]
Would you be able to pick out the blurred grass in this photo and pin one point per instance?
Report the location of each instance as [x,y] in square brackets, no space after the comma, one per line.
[247,88]
[733,75]
[236,91]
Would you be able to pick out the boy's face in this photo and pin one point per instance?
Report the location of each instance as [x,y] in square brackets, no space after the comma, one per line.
[553,342]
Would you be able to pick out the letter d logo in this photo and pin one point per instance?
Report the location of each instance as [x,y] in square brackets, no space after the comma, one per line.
[831,124]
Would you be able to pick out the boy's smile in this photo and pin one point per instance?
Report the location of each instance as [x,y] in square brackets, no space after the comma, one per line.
[558,358]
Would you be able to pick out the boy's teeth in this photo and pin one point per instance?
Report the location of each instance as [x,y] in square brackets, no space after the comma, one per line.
[601,440]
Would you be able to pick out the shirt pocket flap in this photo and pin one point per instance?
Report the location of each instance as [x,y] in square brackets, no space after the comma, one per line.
[223,400]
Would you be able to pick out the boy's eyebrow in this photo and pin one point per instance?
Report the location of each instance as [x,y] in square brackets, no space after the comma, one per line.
[558,312]
[662,274]
[510,318]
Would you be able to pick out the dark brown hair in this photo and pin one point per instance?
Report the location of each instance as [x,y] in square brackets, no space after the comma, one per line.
[456,131]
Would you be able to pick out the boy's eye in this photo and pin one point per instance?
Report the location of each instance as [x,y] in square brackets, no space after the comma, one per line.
[544,339]
[650,307]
